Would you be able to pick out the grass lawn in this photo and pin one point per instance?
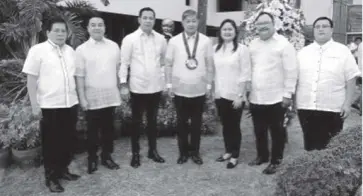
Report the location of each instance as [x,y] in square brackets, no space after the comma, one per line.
[168,179]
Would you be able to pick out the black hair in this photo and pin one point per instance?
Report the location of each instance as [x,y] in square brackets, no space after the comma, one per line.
[53,21]
[358,38]
[324,18]
[94,15]
[220,39]
[146,9]
[265,13]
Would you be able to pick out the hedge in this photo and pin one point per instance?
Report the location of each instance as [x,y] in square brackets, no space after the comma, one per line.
[335,171]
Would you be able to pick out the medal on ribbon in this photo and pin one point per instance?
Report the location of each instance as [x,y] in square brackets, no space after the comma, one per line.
[191,63]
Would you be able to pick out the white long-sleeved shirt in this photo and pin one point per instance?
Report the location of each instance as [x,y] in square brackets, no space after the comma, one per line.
[144,55]
[186,82]
[274,70]
[231,69]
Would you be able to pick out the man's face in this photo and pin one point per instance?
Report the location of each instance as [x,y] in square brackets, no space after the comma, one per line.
[96,28]
[358,41]
[58,33]
[190,24]
[167,27]
[322,31]
[147,20]
[265,27]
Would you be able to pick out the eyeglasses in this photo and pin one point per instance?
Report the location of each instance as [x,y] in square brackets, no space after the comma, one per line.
[322,26]
[263,23]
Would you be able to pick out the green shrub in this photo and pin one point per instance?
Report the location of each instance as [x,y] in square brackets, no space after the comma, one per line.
[4,126]
[12,80]
[23,127]
[166,119]
[335,171]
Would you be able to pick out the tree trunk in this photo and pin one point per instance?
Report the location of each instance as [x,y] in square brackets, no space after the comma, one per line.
[297,4]
[202,14]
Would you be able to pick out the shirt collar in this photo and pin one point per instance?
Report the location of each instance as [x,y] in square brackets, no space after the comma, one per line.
[192,36]
[324,46]
[142,33]
[168,34]
[93,41]
[55,46]
[274,36]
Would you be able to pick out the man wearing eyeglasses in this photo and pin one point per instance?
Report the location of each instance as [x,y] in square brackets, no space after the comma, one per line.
[325,89]
[274,75]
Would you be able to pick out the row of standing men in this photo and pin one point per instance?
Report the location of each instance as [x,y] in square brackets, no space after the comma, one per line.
[265,76]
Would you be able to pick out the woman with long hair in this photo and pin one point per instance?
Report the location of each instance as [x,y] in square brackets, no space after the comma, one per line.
[233,71]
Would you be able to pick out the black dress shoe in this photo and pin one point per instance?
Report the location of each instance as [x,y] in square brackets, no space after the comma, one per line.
[258,161]
[110,164]
[197,159]
[154,155]
[54,186]
[182,159]
[271,169]
[231,165]
[135,161]
[222,159]
[70,177]
[92,166]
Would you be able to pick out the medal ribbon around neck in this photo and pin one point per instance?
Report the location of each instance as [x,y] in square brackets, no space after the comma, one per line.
[192,62]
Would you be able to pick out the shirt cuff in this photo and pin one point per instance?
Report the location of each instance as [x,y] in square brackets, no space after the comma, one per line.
[209,86]
[30,72]
[169,85]
[287,95]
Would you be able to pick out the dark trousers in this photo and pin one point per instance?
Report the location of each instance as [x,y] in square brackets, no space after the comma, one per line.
[141,103]
[58,128]
[189,109]
[271,117]
[231,123]
[100,122]
[319,127]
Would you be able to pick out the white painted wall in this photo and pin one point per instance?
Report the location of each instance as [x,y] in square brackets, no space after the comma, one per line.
[315,8]
[166,9]
[174,8]
[357,2]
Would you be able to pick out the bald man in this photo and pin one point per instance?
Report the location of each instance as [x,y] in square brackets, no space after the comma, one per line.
[168,28]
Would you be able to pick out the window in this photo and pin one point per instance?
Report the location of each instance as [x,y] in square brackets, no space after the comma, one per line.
[229,6]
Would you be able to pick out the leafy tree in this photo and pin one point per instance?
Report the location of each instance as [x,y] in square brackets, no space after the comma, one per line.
[21,22]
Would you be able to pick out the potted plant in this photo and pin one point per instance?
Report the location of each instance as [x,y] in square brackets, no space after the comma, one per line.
[25,136]
[4,136]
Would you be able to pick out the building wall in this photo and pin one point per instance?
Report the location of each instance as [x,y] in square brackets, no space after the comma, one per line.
[174,8]
[315,8]
[166,9]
